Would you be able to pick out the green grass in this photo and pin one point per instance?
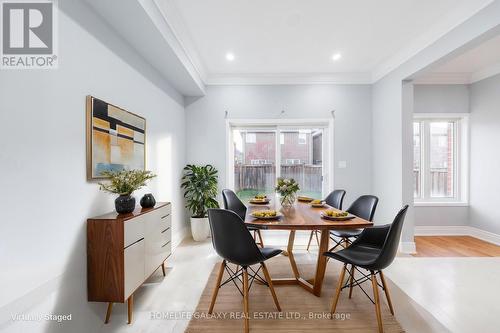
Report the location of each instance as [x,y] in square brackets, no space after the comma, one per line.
[247,194]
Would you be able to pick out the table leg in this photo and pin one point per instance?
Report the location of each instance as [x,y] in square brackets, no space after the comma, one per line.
[321,263]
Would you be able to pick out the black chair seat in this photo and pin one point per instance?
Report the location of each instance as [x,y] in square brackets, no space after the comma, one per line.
[346,233]
[360,256]
[269,252]
[252,228]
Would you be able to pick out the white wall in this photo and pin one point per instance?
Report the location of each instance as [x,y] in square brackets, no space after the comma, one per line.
[206,124]
[441,98]
[485,159]
[392,115]
[45,197]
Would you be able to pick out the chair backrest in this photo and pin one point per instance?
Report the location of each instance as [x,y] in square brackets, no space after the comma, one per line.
[231,238]
[335,199]
[391,243]
[364,207]
[233,203]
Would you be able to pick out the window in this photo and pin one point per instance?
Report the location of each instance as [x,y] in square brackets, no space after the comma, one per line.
[439,159]
[259,154]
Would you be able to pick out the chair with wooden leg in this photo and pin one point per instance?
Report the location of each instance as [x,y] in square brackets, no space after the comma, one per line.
[373,250]
[234,243]
[335,200]
[233,203]
[363,207]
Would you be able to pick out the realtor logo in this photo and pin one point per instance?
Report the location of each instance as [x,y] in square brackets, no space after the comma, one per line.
[28,35]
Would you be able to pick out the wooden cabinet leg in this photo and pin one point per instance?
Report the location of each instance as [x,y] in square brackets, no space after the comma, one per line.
[108,312]
[130,305]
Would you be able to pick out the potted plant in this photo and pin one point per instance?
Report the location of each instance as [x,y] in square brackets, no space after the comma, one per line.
[124,183]
[200,190]
[287,188]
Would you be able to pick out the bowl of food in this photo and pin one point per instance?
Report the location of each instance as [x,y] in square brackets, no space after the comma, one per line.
[266,214]
[304,198]
[317,203]
[336,215]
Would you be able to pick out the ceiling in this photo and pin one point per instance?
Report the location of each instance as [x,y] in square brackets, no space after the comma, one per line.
[292,41]
[475,64]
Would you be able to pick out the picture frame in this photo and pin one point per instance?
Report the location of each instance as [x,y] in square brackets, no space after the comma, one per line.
[115,139]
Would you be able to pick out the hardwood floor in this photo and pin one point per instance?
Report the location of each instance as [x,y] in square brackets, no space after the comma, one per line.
[454,246]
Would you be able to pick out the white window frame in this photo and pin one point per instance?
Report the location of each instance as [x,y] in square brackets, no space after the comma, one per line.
[461,158]
[282,124]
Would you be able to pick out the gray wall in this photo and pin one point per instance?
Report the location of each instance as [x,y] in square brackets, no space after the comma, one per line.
[45,197]
[485,158]
[441,98]
[206,124]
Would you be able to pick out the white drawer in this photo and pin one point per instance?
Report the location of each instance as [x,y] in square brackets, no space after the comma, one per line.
[134,229]
[134,267]
[159,220]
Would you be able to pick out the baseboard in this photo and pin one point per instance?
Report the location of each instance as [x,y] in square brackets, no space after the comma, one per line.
[178,237]
[407,247]
[458,230]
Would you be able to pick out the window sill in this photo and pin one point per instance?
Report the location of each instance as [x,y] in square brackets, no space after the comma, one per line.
[441,204]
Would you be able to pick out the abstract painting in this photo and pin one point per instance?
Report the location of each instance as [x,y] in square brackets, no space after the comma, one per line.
[115,139]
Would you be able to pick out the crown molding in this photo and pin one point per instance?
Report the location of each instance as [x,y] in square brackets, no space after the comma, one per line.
[288,79]
[443,78]
[173,19]
[444,26]
[485,73]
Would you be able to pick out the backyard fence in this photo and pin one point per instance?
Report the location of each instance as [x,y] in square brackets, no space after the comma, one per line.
[262,177]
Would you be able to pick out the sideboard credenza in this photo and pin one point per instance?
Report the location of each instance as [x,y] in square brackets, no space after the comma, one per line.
[124,250]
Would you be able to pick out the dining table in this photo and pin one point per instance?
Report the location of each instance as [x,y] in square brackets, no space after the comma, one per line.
[302,216]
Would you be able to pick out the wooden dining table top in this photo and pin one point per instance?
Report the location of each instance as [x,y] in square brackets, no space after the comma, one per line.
[301,216]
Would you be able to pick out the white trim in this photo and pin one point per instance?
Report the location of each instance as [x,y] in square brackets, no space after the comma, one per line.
[289,79]
[407,247]
[458,230]
[440,204]
[443,78]
[327,124]
[461,151]
[485,73]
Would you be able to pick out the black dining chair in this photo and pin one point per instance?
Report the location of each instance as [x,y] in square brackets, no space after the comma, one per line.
[373,250]
[363,207]
[234,243]
[233,203]
[335,200]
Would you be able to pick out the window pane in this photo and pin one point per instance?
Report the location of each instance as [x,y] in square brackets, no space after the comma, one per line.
[302,159]
[254,163]
[417,153]
[442,160]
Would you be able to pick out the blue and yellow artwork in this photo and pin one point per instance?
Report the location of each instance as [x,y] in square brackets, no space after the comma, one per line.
[115,139]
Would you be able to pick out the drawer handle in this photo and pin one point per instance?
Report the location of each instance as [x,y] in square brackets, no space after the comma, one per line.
[165,244]
[165,230]
[137,241]
[165,216]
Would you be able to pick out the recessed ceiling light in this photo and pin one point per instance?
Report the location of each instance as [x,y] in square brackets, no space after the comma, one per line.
[336,56]
[229,56]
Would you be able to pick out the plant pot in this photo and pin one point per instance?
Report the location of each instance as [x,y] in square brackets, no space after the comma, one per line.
[148,201]
[125,204]
[200,228]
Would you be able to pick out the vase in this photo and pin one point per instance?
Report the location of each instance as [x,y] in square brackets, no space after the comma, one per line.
[148,201]
[288,200]
[125,204]
[200,228]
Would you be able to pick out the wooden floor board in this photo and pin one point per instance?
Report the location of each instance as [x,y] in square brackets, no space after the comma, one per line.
[454,246]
